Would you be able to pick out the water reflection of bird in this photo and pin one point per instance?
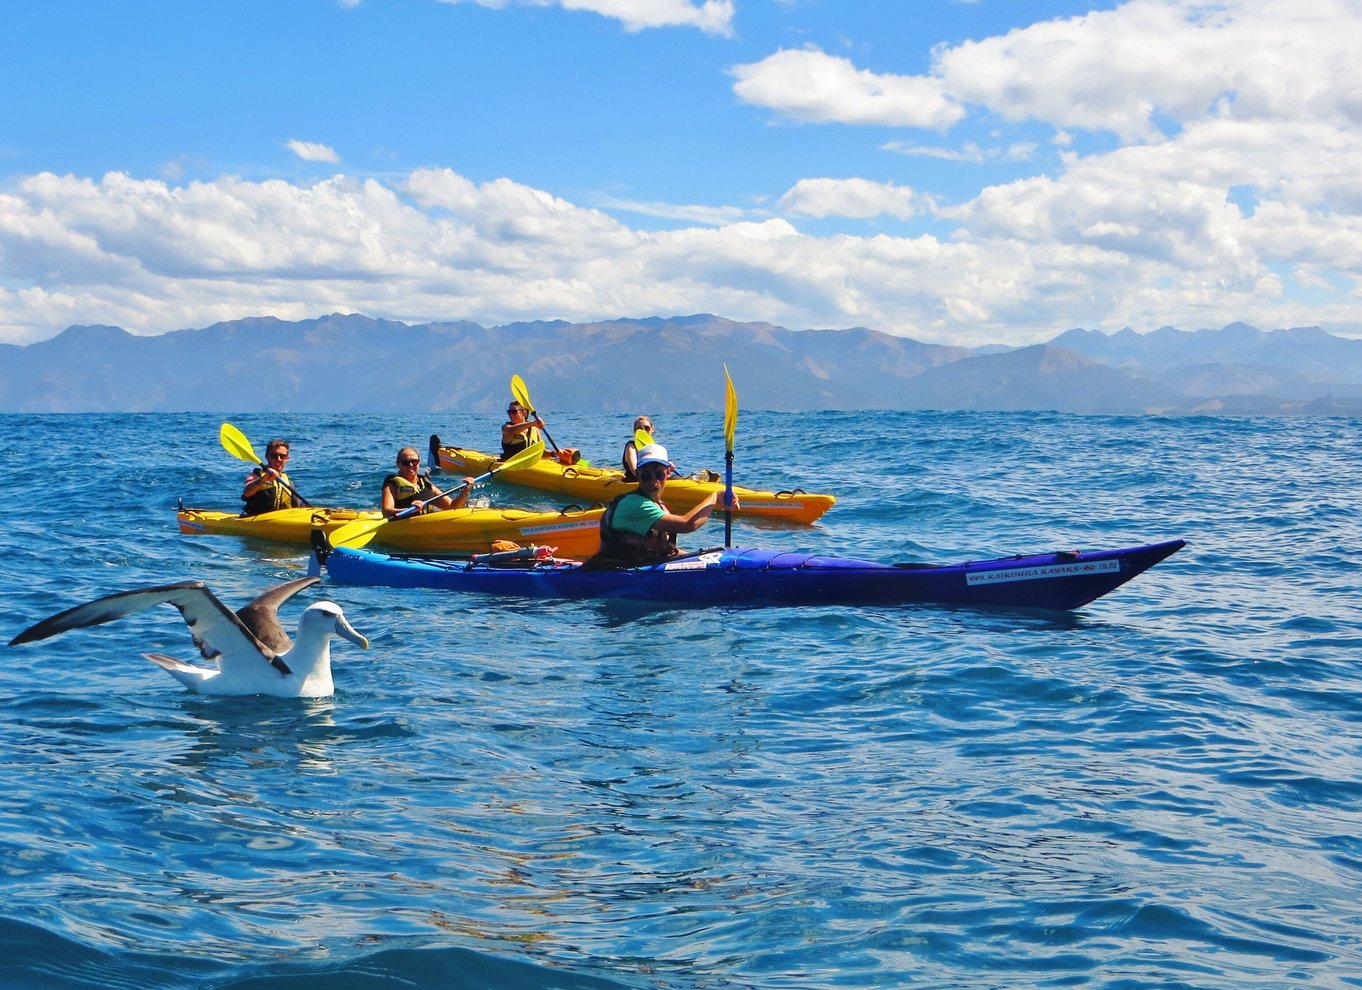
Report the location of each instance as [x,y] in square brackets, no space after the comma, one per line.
[251,651]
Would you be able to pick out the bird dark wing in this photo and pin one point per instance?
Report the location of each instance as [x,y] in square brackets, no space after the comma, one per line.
[214,627]
[261,616]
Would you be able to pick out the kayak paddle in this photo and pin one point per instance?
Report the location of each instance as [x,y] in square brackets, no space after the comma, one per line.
[522,395]
[236,444]
[361,531]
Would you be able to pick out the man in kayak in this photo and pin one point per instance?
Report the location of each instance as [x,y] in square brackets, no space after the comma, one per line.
[518,432]
[408,487]
[637,527]
[269,488]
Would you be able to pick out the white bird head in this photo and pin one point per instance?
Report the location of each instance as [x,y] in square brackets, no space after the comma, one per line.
[328,618]
[310,658]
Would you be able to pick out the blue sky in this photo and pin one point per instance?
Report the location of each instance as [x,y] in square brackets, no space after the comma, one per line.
[957,172]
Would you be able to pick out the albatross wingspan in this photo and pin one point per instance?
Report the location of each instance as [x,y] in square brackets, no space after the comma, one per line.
[244,645]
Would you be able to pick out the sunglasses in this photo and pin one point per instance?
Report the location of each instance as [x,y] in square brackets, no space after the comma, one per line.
[409,460]
[278,455]
[652,472]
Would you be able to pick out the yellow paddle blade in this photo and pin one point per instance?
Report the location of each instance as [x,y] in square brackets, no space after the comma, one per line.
[236,444]
[520,393]
[355,534]
[642,438]
[730,412]
[532,454]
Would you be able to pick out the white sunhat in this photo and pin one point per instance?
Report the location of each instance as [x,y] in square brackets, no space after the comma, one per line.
[654,453]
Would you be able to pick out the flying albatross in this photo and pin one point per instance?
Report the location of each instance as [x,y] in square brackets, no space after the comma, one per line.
[253,654]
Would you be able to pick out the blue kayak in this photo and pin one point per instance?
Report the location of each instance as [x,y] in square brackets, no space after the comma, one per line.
[744,576]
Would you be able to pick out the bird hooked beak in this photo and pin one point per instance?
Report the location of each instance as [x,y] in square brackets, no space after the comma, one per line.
[347,631]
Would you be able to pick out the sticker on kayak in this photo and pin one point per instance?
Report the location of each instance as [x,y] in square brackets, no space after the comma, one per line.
[694,563]
[1075,569]
[558,527]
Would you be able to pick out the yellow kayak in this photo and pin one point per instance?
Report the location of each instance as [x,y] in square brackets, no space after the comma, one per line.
[575,532]
[593,484]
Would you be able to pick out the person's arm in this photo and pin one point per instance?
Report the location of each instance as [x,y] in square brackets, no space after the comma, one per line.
[670,522]
[257,480]
[390,501]
[509,431]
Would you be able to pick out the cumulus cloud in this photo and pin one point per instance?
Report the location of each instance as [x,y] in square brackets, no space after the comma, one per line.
[310,151]
[850,198]
[1138,71]
[813,86]
[1127,238]
[710,16]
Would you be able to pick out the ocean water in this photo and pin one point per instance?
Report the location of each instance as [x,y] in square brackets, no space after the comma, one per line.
[1163,789]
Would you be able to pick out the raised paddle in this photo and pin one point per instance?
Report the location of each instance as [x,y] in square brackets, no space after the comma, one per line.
[522,395]
[361,531]
[236,444]
[730,431]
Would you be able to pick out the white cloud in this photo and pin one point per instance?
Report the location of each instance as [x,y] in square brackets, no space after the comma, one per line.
[691,213]
[710,16]
[1123,239]
[310,151]
[1138,71]
[812,86]
[850,198]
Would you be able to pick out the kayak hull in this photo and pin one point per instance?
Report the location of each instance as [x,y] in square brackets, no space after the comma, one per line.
[593,484]
[573,532]
[738,576]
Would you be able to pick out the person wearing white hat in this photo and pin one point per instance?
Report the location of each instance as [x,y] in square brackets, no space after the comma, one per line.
[637,527]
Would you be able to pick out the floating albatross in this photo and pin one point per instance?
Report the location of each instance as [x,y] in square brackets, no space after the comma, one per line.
[253,654]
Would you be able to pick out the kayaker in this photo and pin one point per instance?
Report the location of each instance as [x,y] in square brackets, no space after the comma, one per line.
[519,432]
[269,488]
[629,459]
[637,527]
[408,487]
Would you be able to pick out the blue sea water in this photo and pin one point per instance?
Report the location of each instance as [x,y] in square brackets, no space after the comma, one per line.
[1163,789]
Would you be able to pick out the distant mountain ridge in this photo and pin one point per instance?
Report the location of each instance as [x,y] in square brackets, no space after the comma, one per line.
[353,363]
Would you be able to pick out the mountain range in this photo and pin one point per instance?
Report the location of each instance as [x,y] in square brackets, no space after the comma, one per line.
[353,363]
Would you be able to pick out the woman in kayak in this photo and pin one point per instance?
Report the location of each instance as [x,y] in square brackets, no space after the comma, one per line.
[629,459]
[268,488]
[637,527]
[518,432]
[409,488]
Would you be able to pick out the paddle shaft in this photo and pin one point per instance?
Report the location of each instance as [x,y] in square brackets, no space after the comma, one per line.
[413,510]
[728,489]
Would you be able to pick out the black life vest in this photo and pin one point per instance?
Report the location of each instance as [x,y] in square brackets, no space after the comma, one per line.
[621,548]
[527,439]
[275,494]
